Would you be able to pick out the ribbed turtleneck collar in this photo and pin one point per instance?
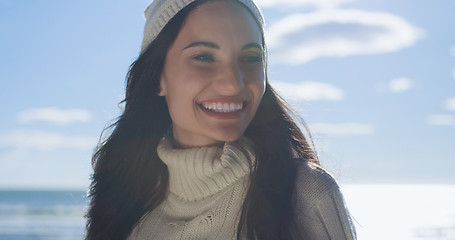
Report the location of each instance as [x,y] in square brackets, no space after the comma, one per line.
[196,173]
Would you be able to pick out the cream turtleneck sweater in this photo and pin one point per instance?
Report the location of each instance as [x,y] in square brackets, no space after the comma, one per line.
[207,187]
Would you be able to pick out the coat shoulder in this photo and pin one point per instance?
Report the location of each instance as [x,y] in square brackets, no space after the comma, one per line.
[313,183]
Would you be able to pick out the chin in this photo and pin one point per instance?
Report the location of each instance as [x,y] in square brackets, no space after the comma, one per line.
[225,136]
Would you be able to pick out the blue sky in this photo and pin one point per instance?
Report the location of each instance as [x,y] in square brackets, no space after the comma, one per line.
[374,80]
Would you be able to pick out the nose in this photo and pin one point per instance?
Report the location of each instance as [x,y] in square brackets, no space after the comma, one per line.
[231,80]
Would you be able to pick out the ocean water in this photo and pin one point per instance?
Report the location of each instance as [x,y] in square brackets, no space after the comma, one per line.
[392,212]
[42,215]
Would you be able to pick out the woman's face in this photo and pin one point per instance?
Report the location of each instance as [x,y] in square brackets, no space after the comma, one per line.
[214,75]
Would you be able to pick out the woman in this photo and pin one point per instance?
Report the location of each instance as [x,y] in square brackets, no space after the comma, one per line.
[204,148]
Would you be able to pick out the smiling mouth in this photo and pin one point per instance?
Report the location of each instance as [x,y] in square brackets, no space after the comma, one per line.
[220,107]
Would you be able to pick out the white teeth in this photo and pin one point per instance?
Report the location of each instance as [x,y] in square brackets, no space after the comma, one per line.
[223,107]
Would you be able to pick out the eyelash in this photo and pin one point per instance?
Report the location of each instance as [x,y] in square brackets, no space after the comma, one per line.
[204,58]
[252,58]
[208,58]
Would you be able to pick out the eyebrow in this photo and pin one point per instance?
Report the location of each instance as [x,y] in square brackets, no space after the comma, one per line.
[252,45]
[215,46]
[204,44]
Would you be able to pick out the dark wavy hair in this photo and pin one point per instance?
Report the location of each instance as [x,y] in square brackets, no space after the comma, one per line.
[129,179]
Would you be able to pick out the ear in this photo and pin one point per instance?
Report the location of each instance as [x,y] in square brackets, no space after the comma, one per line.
[161,91]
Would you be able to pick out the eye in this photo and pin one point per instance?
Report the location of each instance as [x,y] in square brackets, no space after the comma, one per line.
[252,58]
[204,57]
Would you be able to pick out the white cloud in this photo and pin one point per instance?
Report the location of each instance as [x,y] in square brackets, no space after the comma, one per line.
[450,104]
[453,72]
[300,38]
[342,128]
[400,84]
[295,3]
[441,120]
[45,141]
[54,115]
[309,91]
[452,51]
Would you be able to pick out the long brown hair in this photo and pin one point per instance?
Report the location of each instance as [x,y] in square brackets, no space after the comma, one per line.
[129,179]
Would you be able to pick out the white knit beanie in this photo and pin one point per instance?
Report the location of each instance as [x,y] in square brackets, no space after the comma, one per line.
[159,12]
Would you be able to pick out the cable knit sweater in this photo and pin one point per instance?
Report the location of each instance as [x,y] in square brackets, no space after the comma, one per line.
[207,187]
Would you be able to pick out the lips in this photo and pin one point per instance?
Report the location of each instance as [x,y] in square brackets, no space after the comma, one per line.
[222,107]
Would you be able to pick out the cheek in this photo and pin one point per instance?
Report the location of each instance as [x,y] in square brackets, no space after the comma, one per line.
[179,99]
[189,79]
[178,83]
[183,91]
[258,85]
